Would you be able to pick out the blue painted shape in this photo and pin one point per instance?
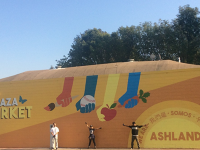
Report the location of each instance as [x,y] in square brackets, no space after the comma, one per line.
[90,88]
[132,89]
[22,100]
[88,108]
[131,103]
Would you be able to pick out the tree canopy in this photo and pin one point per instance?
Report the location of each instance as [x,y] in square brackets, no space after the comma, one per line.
[170,40]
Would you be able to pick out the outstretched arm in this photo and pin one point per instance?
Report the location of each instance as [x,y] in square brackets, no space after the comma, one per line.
[125,125]
[98,128]
[142,126]
[87,124]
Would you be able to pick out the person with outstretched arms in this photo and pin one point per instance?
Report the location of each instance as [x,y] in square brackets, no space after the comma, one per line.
[134,128]
[92,136]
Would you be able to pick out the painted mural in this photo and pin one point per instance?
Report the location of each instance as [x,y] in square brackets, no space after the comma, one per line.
[167,101]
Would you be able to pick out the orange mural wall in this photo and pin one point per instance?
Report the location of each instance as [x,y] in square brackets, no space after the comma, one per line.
[167,101]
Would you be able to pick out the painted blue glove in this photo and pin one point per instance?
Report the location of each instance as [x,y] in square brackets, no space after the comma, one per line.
[78,105]
[87,109]
[132,89]
[131,103]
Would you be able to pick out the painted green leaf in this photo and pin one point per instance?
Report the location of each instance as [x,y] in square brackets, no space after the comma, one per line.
[144,100]
[141,93]
[147,94]
[113,105]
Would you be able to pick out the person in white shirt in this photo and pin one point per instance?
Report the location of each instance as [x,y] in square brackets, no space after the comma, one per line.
[54,131]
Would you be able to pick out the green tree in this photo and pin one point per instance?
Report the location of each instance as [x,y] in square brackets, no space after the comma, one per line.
[162,37]
[116,48]
[170,40]
[89,48]
[187,30]
[130,37]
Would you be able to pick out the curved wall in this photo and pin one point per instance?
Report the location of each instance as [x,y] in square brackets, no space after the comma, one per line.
[168,101]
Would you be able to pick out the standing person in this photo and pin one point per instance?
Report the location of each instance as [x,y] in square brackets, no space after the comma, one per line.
[54,131]
[134,128]
[92,136]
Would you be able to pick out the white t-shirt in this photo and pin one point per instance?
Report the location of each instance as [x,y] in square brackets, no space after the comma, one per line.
[54,130]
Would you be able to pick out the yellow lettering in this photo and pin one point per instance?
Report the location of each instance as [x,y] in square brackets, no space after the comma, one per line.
[4,113]
[28,108]
[21,112]
[12,112]
[15,112]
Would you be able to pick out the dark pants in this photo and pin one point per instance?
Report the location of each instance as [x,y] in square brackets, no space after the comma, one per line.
[90,139]
[133,139]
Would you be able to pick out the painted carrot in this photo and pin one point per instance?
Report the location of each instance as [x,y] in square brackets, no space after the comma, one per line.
[126,102]
[142,96]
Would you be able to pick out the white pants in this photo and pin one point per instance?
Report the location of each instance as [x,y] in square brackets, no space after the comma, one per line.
[54,142]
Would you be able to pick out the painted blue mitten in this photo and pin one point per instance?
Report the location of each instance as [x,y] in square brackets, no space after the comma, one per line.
[88,108]
[132,89]
[131,103]
[90,88]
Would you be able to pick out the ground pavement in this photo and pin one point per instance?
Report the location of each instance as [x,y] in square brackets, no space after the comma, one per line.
[91,149]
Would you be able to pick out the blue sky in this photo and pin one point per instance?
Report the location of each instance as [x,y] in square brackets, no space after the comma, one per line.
[35,33]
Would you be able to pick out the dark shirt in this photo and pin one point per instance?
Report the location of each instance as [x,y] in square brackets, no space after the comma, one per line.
[135,129]
[91,133]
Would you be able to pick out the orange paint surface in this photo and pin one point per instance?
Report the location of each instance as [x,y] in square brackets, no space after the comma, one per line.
[74,133]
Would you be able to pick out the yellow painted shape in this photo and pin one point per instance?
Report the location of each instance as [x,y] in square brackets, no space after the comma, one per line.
[171,134]
[181,116]
[122,85]
[154,80]
[110,92]
[39,93]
